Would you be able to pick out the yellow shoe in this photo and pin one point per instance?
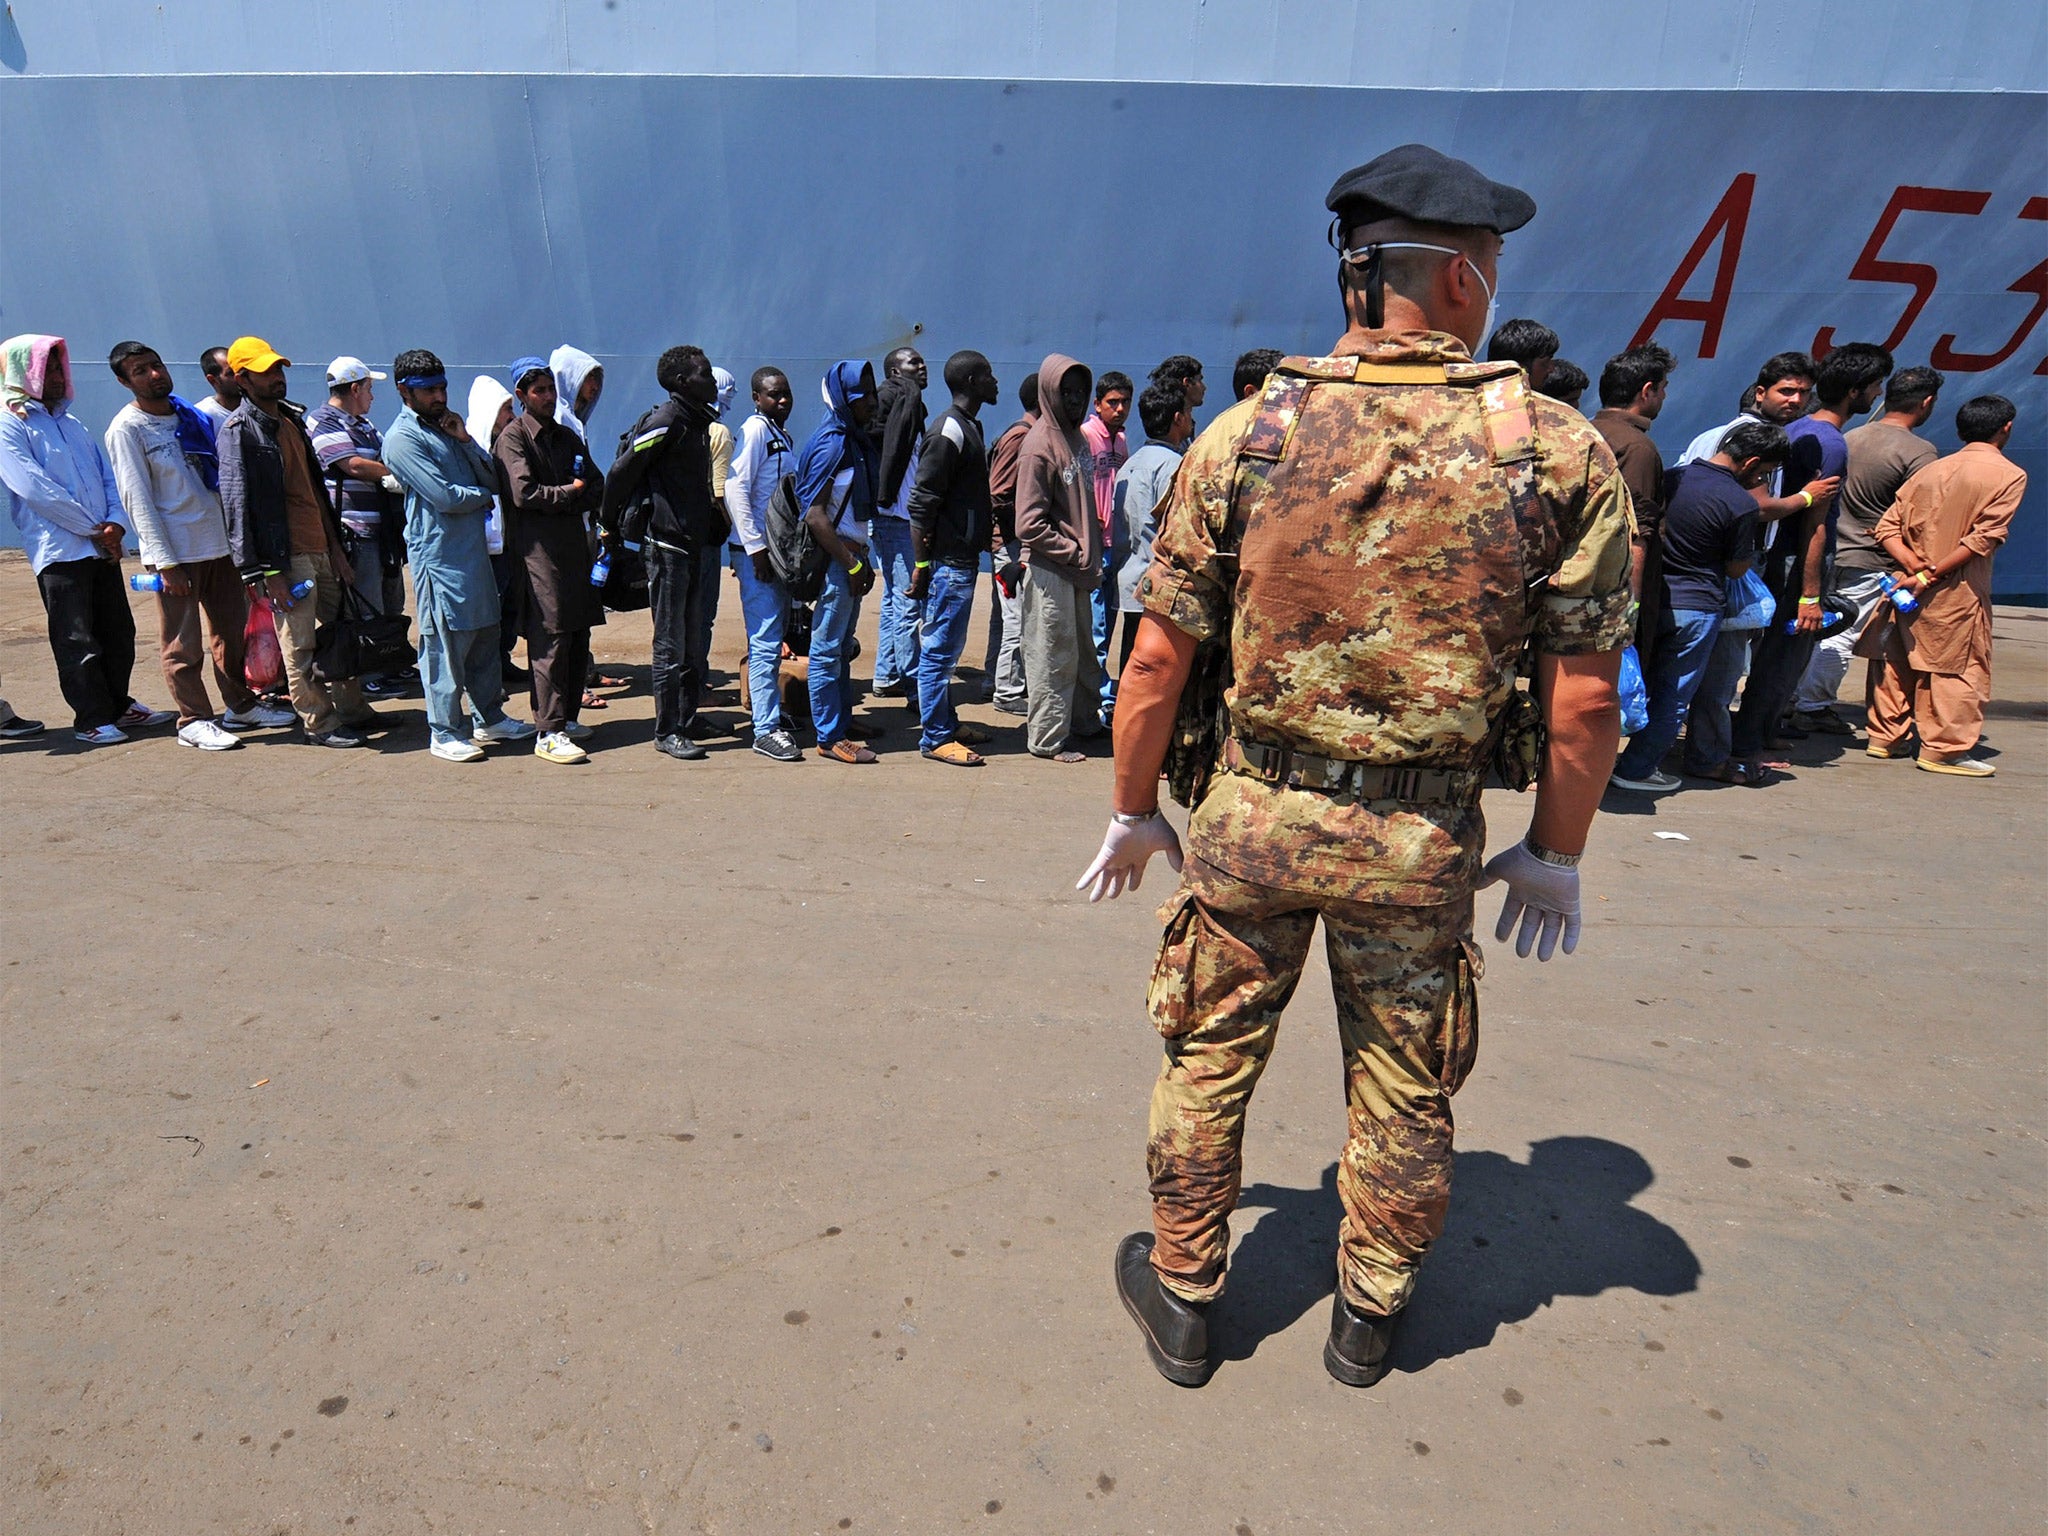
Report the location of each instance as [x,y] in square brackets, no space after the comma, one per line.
[1887,752]
[555,747]
[1962,767]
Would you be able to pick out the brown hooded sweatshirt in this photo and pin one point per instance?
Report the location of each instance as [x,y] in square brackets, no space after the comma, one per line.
[1056,521]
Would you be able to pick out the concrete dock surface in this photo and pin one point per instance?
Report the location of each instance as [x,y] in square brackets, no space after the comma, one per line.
[646,1146]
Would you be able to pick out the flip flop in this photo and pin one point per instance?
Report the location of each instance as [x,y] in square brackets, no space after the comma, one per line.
[592,701]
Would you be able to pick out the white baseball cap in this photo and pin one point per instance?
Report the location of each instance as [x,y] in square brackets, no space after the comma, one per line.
[349,370]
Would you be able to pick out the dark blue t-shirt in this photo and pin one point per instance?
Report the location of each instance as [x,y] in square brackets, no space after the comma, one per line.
[1818,451]
[1711,521]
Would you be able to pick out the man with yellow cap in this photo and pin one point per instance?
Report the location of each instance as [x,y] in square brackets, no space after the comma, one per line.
[1353,561]
[283,531]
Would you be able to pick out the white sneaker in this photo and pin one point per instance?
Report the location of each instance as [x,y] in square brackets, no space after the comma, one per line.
[507,729]
[556,747]
[258,715]
[576,730]
[207,736]
[455,751]
[1658,783]
[101,736]
[139,717]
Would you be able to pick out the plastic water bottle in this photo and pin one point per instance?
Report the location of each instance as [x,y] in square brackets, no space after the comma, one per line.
[1901,595]
[146,581]
[301,590]
[600,569]
[577,472]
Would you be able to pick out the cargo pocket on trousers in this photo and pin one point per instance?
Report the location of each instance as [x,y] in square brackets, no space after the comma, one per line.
[1170,997]
[1458,1031]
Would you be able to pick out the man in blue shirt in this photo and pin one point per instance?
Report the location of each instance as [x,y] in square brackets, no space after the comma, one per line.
[1847,383]
[1708,534]
[68,509]
[449,484]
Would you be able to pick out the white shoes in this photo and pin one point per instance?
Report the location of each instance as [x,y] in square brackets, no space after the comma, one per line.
[207,736]
[556,747]
[101,736]
[507,729]
[258,716]
[456,751]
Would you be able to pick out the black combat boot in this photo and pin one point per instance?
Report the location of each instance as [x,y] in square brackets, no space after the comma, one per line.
[1176,1332]
[1357,1352]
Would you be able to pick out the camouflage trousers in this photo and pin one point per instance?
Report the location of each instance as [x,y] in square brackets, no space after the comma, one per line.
[1408,1022]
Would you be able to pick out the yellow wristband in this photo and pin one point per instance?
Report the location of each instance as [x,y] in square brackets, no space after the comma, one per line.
[1805,499]
[1809,602]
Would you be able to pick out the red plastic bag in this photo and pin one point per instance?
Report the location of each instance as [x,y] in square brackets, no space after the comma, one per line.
[262,661]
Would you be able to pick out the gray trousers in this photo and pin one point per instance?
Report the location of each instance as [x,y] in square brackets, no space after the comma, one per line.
[1005,664]
[1830,662]
[1062,677]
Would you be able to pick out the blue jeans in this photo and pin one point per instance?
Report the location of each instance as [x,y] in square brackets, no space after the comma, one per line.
[1709,729]
[832,619]
[1102,609]
[942,637]
[458,661]
[762,606]
[896,625]
[1685,646]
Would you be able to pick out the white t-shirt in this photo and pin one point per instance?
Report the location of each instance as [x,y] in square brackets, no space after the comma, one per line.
[844,523]
[214,411]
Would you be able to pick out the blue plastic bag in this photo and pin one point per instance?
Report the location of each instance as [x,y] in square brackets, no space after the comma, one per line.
[1635,695]
[1750,604]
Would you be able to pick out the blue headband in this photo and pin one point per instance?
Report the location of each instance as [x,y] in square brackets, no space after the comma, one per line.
[424,380]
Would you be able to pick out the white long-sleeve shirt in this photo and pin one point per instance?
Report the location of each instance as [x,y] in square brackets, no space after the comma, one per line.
[177,520]
[763,457]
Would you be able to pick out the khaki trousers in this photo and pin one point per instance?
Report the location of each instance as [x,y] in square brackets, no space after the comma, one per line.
[1407,1019]
[216,592]
[321,707]
[1947,707]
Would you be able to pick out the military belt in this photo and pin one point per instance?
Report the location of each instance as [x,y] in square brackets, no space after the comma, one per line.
[1413,784]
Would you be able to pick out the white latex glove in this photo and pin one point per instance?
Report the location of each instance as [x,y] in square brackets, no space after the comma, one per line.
[390,483]
[1543,896]
[1120,866]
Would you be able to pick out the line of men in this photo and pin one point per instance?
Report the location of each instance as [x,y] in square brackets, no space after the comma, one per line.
[505,522]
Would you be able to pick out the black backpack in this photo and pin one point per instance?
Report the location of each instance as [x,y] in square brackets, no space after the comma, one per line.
[793,549]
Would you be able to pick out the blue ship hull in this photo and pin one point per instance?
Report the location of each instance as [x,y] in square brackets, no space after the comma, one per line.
[515,196]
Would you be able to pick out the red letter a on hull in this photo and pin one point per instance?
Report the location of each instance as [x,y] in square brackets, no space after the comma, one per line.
[1727,223]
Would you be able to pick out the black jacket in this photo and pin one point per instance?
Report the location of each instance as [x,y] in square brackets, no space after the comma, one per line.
[949,505]
[665,459]
[899,423]
[252,490]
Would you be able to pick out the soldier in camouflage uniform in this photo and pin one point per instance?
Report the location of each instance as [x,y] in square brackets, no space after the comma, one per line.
[1381,535]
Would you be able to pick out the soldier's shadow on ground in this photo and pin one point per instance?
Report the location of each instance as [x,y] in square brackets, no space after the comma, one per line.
[1519,1236]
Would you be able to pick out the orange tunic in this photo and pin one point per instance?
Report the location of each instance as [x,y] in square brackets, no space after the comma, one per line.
[1968,499]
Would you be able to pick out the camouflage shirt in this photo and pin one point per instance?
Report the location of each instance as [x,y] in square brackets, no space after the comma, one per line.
[1378,552]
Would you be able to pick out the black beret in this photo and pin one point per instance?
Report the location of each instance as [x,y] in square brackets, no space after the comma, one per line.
[1417,182]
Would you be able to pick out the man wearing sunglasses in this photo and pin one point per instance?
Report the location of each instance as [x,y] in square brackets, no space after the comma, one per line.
[1375,536]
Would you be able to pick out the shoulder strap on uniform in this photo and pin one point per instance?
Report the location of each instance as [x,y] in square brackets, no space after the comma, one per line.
[1510,423]
[1279,409]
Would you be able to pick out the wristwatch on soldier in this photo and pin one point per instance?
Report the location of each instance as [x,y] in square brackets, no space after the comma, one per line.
[1551,856]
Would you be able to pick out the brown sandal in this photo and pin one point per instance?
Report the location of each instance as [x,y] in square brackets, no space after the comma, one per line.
[592,701]
[952,752]
[846,751]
